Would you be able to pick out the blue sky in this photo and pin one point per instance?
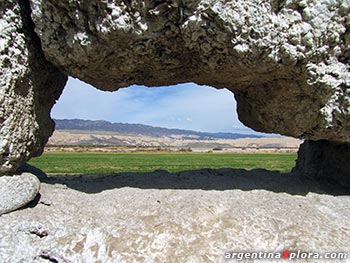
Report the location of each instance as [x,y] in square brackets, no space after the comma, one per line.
[185,106]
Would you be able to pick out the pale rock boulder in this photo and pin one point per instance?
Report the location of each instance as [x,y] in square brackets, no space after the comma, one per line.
[16,191]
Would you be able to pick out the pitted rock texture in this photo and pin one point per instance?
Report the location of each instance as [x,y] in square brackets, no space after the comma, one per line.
[29,86]
[190,217]
[17,191]
[286,61]
[325,160]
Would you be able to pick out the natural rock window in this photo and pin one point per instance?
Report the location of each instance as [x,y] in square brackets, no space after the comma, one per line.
[184,106]
[287,63]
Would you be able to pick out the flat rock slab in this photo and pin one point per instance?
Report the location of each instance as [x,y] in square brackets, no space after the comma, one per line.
[17,191]
[186,217]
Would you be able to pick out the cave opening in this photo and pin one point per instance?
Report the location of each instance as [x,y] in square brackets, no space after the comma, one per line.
[133,125]
[186,106]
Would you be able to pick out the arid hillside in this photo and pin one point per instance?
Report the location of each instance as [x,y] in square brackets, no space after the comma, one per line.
[169,142]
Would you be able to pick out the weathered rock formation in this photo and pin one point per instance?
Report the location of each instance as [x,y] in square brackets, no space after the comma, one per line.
[287,64]
[29,87]
[184,217]
[16,191]
[325,160]
[286,61]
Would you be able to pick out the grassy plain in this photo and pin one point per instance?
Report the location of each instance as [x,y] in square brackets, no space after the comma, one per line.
[108,163]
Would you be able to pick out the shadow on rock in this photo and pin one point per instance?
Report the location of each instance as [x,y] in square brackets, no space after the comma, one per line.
[204,179]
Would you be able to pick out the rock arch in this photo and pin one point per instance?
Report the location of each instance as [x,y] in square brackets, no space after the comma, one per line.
[286,61]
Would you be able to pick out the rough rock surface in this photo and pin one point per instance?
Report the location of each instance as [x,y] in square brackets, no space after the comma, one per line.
[16,191]
[325,160]
[286,61]
[189,217]
[29,86]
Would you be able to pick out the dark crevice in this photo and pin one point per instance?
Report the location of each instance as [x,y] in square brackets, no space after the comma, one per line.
[28,25]
[36,52]
[277,5]
[39,233]
[49,258]
[35,201]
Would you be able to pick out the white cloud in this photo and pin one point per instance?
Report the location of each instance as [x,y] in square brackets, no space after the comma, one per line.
[186,106]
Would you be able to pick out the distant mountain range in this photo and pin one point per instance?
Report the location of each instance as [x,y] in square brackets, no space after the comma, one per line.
[144,130]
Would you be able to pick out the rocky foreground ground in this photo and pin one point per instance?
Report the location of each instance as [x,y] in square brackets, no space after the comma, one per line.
[186,217]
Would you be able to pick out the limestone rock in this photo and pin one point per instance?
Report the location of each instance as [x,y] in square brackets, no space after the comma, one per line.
[286,61]
[17,191]
[185,217]
[325,160]
[29,86]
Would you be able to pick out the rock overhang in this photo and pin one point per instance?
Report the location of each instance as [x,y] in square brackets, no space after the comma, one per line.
[287,62]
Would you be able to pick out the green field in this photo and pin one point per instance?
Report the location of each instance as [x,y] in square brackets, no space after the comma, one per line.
[107,163]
